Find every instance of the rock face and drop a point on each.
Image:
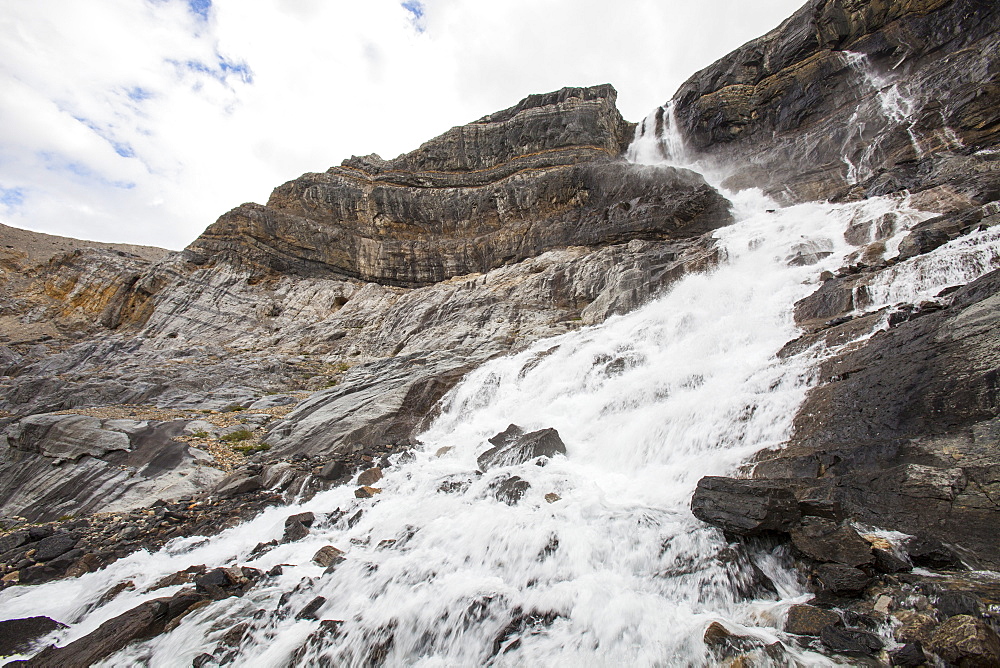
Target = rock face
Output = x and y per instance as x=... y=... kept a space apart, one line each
x=904 y=436
x=854 y=99
x=540 y=175
x=536 y=196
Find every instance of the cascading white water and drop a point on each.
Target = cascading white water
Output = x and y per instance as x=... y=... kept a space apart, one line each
x=601 y=559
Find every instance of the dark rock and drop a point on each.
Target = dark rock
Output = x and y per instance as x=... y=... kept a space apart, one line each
x=261 y=549
x=830 y=510
x=13 y=540
x=842 y=580
x=203 y=659
x=824 y=540
x=18 y=635
x=142 y=621
x=951 y=603
x=305 y=519
x=931 y=553
x=850 y=641
x=328 y=556
x=511 y=490
x=909 y=655
x=238 y=484
x=808 y=620
x=745 y=507
x=215 y=578
x=54 y=545
x=887 y=562
x=516 y=448
x=881 y=436
x=293 y=532
x=521 y=622
x=334 y=470
x=964 y=640
x=186 y=576
x=234 y=636
x=366 y=492
x=723 y=643
x=309 y=611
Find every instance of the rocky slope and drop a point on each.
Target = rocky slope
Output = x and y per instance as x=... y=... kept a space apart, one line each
x=299 y=342
x=524 y=224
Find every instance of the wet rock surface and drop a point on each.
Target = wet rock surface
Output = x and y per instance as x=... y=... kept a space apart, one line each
x=784 y=102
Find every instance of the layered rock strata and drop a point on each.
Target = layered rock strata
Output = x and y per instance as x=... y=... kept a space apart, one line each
x=541 y=175
x=849 y=99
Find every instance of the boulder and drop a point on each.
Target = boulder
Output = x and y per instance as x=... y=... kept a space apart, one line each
x=842 y=580
x=328 y=556
x=964 y=640
x=511 y=489
x=512 y=447
x=54 y=546
x=143 y=621
x=824 y=540
x=910 y=655
x=723 y=643
x=745 y=507
x=850 y=641
x=808 y=620
x=18 y=635
x=370 y=476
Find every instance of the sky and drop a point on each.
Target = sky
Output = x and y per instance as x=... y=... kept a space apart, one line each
x=142 y=121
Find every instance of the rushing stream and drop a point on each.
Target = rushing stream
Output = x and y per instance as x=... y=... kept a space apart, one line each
x=600 y=562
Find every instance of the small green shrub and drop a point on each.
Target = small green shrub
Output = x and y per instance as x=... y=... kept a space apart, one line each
x=251 y=449
x=233 y=408
x=200 y=434
x=237 y=436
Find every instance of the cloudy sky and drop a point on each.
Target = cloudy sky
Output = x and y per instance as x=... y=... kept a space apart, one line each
x=141 y=121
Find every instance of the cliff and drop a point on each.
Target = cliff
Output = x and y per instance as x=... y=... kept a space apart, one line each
x=854 y=99
x=296 y=343
x=543 y=174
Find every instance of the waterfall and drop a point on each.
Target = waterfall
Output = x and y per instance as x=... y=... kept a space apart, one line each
x=600 y=562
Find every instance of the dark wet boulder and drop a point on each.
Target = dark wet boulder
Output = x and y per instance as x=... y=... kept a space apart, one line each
x=808 y=620
x=842 y=580
x=512 y=447
x=18 y=635
x=932 y=553
x=910 y=655
x=952 y=603
x=745 y=507
x=966 y=641
x=887 y=562
x=850 y=641
x=54 y=545
x=826 y=541
x=723 y=643
x=311 y=608
x=511 y=490
x=328 y=556
x=143 y=621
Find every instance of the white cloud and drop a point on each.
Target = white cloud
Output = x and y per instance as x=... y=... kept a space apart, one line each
x=143 y=120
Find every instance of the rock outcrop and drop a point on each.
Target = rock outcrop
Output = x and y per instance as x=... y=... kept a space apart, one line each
x=849 y=99
x=543 y=174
